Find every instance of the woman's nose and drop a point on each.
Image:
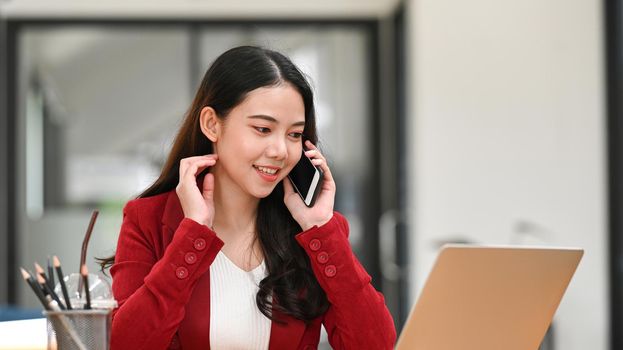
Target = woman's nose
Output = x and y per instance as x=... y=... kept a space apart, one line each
x=277 y=149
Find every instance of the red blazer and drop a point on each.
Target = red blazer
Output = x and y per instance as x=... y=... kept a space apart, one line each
x=161 y=280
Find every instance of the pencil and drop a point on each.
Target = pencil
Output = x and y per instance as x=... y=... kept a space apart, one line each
x=85 y=277
x=61 y=280
x=46 y=280
x=35 y=288
x=51 y=293
x=51 y=274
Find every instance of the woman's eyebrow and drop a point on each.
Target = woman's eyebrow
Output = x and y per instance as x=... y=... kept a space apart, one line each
x=273 y=120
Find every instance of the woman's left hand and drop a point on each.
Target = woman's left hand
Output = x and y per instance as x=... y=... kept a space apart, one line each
x=322 y=211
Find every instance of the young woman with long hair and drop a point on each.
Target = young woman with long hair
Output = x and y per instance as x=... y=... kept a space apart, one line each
x=220 y=252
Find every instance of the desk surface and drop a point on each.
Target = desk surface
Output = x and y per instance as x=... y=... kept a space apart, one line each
x=24 y=335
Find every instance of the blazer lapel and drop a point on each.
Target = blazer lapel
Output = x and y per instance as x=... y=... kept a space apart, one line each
x=173 y=213
x=194 y=330
x=285 y=336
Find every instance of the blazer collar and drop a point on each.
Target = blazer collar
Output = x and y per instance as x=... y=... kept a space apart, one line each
x=173 y=213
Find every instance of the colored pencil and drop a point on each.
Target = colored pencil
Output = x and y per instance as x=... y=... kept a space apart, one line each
x=35 y=288
x=85 y=277
x=50 y=292
x=51 y=274
x=61 y=280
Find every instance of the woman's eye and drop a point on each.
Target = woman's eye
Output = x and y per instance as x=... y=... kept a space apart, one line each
x=262 y=129
x=296 y=135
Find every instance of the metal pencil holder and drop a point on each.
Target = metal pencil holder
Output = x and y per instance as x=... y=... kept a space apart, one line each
x=79 y=329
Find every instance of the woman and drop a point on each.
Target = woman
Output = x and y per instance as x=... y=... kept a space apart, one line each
x=220 y=252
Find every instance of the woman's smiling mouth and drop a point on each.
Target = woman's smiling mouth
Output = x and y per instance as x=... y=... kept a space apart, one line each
x=267 y=173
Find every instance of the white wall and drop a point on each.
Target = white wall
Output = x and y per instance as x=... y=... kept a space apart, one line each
x=185 y=9
x=506 y=125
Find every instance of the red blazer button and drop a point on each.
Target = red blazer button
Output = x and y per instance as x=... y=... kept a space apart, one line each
x=315 y=244
x=190 y=258
x=330 y=270
x=181 y=272
x=322 y=257
x=200 y=244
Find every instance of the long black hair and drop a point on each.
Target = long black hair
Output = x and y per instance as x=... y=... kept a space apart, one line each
x=229 y=79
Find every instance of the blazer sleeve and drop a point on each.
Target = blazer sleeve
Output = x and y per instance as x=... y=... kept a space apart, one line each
x=357 y=317
x=152 y=293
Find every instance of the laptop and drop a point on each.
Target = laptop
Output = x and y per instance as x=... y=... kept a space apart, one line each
x=489 y=298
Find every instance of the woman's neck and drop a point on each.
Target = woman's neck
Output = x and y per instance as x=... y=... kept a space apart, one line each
x=234 y=222
x=235 y=210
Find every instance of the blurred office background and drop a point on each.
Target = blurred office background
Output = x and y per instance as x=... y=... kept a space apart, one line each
x=483 y=121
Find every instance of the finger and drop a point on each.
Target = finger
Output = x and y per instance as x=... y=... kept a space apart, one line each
x=314 y=154
x=186 y=162
x=199 y=166
x=322 y=164
x=311 y=152
x=196 y=163
x=318 y=160
x=310 y=145
x=196 y=166
x=208 y=188
x=192 y=159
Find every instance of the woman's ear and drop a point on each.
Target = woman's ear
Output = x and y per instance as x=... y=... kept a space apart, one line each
x=210 y=123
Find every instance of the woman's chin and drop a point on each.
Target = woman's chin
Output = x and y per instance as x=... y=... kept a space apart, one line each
x=263 y=193
x=263 y=190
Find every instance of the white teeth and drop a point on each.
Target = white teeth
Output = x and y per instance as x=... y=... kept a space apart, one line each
x=266 y=170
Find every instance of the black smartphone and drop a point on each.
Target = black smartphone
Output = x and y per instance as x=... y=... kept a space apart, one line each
x=306 y=179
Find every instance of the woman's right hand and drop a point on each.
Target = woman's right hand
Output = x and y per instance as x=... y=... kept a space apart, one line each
x=197 y=205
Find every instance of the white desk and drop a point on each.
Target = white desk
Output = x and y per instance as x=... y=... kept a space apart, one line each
x=24 y=335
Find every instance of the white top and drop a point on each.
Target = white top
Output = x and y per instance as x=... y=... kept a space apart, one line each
x=235 y=320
